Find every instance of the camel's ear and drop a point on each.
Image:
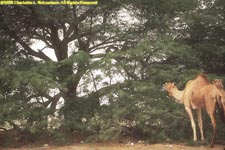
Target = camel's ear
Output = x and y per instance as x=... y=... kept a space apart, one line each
x=173 y=84
x=164 y=85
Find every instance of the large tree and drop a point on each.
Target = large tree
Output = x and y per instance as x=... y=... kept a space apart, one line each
x=78 y=36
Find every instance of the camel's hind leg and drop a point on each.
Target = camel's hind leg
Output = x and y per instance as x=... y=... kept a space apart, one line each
x=188 y=109
x=213 y=120
x=211 y=109
x=200 y=124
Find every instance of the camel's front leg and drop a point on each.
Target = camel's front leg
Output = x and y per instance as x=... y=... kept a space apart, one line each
x=188 y=109
x=200 y=124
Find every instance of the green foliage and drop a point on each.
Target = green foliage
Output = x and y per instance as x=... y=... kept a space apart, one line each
x=23 y=83
x=60 y=138
x=135 y=111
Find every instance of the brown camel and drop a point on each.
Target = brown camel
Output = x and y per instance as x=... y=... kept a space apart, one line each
x=221 y=104
x=218 y=83
x=198 y=93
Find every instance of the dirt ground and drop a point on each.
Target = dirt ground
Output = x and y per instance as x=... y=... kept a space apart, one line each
x=122 y=147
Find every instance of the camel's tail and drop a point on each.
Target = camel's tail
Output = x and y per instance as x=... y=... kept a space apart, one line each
x=221 y=108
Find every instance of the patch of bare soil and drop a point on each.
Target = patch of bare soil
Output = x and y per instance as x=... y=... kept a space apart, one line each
x=108 y=146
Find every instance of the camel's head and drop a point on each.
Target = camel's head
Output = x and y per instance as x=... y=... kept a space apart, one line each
x=168 y=86
x=218 y=83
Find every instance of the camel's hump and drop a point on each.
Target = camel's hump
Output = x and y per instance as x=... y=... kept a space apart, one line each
x=203 y=77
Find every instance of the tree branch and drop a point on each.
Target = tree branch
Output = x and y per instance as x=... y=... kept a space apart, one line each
x=31 y=52
x=105 y=90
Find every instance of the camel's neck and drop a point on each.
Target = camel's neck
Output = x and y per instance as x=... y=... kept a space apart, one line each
x=177 y=94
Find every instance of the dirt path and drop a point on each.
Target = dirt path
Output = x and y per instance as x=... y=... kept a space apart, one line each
x=122 y=147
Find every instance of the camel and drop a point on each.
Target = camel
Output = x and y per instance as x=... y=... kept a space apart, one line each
x=218 y=83
x=197 y=94
x=221 y=104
